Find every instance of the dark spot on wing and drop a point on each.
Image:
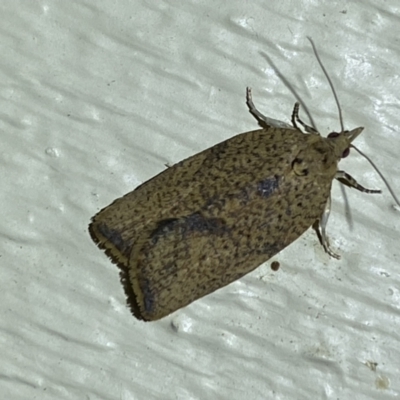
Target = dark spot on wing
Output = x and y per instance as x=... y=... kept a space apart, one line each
x=148 y=297
x=266 y=187
x=113 y=236
x=195 y=222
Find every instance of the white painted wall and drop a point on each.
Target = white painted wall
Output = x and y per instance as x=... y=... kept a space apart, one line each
x=95 y=98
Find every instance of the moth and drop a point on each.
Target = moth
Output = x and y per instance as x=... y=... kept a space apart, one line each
x=217 y=215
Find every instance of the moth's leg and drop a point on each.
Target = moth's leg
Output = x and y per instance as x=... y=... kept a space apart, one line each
x=295 y=119
x=295 y=116
x=320 y=227
x=348 y=180
x=261 y=117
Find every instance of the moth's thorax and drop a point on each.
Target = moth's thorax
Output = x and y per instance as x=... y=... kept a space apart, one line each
x=318 y=159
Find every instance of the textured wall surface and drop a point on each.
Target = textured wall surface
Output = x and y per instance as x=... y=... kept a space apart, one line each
x=96 y=97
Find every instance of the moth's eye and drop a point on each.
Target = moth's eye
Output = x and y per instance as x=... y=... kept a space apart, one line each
x=346 y=153
x=333 y=135
x=299 y=168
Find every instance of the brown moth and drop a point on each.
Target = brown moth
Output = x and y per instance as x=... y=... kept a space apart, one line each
x=214 y=217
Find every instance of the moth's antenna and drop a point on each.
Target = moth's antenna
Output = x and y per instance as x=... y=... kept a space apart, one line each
x=380 y=174
x=342 y=127
x=329 y=81
x=291 y=88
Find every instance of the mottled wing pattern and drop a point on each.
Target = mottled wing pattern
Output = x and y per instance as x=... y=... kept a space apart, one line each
x=242 y=205
x=118 y=226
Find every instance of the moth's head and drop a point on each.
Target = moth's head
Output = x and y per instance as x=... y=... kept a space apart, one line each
x=342 y=141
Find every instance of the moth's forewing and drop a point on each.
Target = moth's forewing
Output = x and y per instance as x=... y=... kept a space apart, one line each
x=242 y=206
x=204 y=175
x=119 y=225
